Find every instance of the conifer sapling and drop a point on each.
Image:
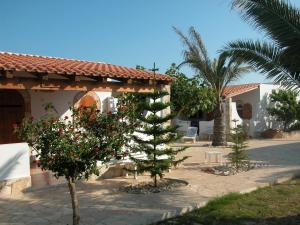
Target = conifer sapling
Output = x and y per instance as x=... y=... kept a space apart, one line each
x=153 y=135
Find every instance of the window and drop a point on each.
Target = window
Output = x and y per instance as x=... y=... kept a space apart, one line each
x=244 y=110
x=247 y=111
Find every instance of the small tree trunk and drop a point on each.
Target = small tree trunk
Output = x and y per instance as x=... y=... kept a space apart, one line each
x=155 y=180
x=285 y=125
x=74 y=199
x=219 y=136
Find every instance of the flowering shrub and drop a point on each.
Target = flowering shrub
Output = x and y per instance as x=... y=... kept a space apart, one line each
x=71 y=147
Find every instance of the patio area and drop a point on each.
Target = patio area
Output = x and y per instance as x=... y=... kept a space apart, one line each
x=101 y=203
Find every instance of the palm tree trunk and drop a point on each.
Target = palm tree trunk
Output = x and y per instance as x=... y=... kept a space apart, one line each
x=219 y=134
x=74 y=198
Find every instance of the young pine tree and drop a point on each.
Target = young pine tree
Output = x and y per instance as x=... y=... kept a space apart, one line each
x=152 y=136
x=238 y=156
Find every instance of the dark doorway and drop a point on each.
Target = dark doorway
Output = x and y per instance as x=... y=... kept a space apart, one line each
x=12 y=111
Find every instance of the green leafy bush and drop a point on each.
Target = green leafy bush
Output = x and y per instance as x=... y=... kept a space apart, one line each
x=286 y=107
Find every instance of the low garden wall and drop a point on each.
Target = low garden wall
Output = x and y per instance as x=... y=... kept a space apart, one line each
x=14 y=168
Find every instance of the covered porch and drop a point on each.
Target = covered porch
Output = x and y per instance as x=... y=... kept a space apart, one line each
x=28 y=83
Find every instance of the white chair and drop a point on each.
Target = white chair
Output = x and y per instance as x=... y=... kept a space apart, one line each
x=213 y=157
x=191 y=134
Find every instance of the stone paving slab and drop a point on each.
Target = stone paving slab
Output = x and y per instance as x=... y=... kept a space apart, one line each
x=101 y=203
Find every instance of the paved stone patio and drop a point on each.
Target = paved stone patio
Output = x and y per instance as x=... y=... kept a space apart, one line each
x=102 y=204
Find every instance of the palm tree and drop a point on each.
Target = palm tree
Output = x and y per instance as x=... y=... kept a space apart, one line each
x=216 y=73
x=278 y=58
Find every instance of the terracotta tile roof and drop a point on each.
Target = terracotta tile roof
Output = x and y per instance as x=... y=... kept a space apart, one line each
x=43 y=64
x=233 y=90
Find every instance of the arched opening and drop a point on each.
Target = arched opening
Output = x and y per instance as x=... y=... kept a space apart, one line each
x=87 y=100
x=12 y=112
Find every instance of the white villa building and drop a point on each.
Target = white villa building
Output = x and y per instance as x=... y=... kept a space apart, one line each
x=28 y=82
x=247 y=104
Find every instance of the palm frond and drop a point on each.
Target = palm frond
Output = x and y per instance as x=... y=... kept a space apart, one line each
x=277 y=18
x=218 y=72
x=198 y=41
x=263 y=57
x=195 y=53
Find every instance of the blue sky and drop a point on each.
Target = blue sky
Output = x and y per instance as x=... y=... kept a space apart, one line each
x=122 y=32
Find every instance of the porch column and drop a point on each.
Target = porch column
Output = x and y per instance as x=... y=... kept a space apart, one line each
x=228 y=116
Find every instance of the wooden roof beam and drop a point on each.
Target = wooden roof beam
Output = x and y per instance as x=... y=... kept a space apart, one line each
x=67 y=85
x=42 y=76
x=9 y=74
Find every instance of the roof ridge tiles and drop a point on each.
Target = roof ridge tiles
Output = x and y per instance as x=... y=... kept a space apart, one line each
x=50 y=57
x=29 y=62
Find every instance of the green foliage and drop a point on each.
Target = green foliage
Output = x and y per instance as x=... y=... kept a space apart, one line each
x=139 y=67
x=131 y=106
x=270 y=206
x=278 y=58
x=112 y=130
x=286 y=107
x=215 y=73
x=188 y=95
x=151 y=136
x=71 y=147
x=238 y=156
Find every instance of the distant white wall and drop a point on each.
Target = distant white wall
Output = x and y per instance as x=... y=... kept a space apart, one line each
x=259 y=99
x=252 y=97
x=14 y=161
x=183 y=125
x=103 y=96
x=264 y=121
x=206 y=127
x=266 y=89
x=235 y=116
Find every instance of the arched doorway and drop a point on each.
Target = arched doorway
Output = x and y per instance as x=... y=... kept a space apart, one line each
x=12 y=111
x=87 y=100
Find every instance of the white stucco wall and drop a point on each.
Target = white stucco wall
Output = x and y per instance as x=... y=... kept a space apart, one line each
x=103 y=96
x=206 y=127
x=235 y=116
x=252 y=97
x=259 y=99
x=14 y=161
x=183 y=125
x=264 y=120
x=61 y=100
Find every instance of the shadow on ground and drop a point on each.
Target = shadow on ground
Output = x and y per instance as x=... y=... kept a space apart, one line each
x=288 y=220
x=100 y=203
